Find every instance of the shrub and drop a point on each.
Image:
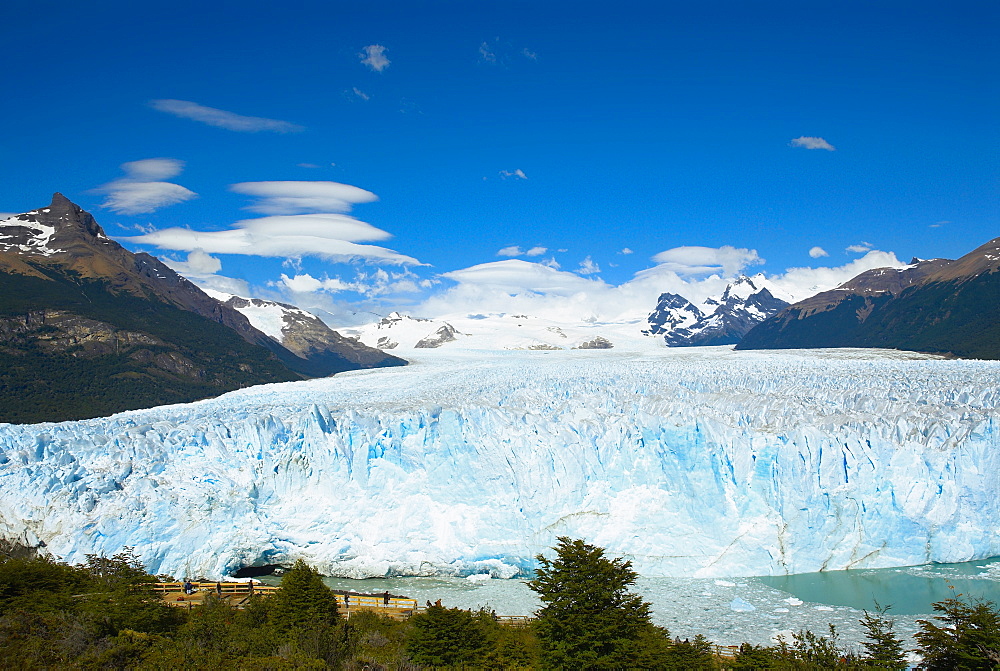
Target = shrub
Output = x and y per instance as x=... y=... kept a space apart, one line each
x=969 y=638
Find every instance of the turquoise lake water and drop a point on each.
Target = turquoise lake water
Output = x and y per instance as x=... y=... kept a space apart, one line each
x=732 y=610
x=909 y=590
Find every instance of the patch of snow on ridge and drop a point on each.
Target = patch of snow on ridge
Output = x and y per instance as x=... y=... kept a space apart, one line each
x=23 y=233
x=690 y=462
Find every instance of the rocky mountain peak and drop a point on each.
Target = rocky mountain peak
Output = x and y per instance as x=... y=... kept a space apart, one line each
x=721 y=320
x=62 y=227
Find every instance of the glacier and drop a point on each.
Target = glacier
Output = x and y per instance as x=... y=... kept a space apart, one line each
x=699 y=462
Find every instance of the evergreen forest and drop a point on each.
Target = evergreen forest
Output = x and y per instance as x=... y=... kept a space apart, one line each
x=104 y=614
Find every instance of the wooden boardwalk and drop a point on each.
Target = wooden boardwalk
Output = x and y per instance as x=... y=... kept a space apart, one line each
x=236 y=593
x=396 y=607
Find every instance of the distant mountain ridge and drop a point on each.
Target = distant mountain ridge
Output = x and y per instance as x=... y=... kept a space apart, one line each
x=719 y=321
x=88 y=328
x=306 y=335
x=938 y=305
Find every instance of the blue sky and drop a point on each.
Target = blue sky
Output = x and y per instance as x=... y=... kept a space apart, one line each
x=676 y=141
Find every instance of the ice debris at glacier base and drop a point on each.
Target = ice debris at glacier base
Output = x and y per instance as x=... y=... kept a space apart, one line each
x=703 y=462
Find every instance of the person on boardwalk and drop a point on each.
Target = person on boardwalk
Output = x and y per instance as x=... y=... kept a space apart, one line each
x=250 y=586
x=188 y=587
x=385 y=598
x=218 y=589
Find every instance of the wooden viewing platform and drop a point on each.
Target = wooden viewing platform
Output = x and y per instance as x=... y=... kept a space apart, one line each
x=236 y=593
x=396 y=607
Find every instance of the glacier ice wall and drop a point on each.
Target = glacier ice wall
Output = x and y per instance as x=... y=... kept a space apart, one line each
x=705 y=462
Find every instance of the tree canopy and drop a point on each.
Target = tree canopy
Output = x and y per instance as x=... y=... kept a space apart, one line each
x=590 y=619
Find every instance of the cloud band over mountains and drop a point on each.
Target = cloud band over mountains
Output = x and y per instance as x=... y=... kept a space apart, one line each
x=288 y=232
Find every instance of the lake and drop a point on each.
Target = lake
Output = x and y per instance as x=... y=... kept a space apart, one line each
x=730 y=611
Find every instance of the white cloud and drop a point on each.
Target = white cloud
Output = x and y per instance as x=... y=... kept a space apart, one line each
x=588 y=267
x=153 y=169
x=136 y=193
x=515 y=250
x=333 y=237
x=304 y=284
x=812 y=143
x=518 y=286
x=369 y=284
x=625 y=250
x=201 y=268
x=198 y=264
x=361 y=94
x=223 y=119
x=125 y=197
x=328 y=235
x=529 y=54
x=486 y=53
x=374 y=57
x=695 y=261
x=516 y=174
x=939 y=224
x=290 y=197
x=817 y=252
x=859 y=249
x=519 y=276
x=804 y=282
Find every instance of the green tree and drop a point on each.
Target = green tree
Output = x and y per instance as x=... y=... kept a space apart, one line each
x=304 y=613
x=302 y=600
x=883 y=648
x=969 y=639
x=508 y=646
x=751 y=657
x=690 y=654
x=40 y=584
x=445 y=637
x=590 y=620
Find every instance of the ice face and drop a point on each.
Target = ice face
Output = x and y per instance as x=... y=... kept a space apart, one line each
x=701 y=462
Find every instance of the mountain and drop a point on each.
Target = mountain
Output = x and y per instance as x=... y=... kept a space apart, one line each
x=930 y=306
x=496 y=331
x=88 y=328
x=306 y=335
x=719 y=321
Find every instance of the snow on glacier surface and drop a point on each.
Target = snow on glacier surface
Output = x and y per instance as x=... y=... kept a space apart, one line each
x=699 y=462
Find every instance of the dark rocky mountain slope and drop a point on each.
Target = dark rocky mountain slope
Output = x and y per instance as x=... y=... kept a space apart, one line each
x=940 y=306
x=307 y=336
x=88 y=328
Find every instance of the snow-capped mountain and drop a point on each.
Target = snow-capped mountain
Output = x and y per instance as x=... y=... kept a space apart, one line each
x=687 y=461
x=745 y=303
x=89 y=328
x=305 y=334
x=494 y=331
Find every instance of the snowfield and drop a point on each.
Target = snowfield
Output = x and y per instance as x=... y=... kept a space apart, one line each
x=694 y=462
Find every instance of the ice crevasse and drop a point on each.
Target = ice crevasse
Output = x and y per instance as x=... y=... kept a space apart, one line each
x=703 y=462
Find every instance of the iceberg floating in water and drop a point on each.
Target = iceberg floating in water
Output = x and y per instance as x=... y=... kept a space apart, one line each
x=703 y=462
